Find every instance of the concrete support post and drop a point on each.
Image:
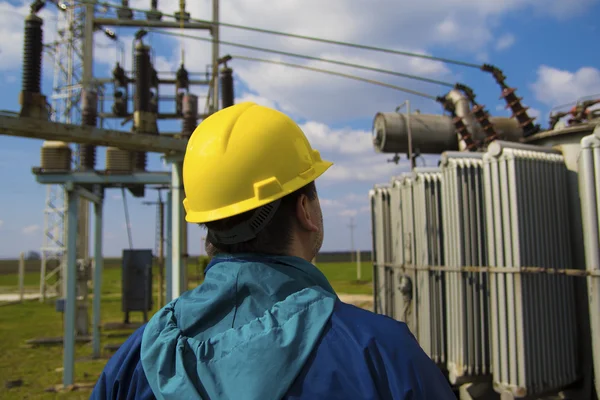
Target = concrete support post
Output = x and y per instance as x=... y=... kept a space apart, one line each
x=71 y=286
x=215 y=54
x=98 y=269
x=178 y=268
x=169 y=248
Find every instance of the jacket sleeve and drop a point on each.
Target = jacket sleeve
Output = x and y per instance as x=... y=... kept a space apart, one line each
x=123 y=376
x=403 y=371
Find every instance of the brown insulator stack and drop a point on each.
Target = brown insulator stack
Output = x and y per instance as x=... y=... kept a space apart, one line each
x=461 y=128
x=121 y=97
x=182 y=86
x=33 y=103
x=89 y=117
x=483 y=117
x=190 y=114
x=480 y=113
x=519 y=112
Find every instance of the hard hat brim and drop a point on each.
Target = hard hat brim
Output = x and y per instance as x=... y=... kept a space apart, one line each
x=200 y=217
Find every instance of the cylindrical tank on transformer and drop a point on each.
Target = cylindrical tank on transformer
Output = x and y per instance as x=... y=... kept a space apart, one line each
x=431 y=134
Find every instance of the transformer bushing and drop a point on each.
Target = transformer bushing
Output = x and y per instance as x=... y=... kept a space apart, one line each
x=519 y=112
x=55 y=157
x=153 y=14
x=144 y=121
x=89 y=117
x=182 y=86
x=190 y=114
x=153 y=90
x=227 y=93
x=461 y=129
x=143 y=73
x=182 y=15
x=124 y=12
x=482 y=116
x=118 y=161
x=33 y=103
x=120 y=82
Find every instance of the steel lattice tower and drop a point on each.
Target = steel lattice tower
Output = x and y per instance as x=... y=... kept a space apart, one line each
x=67 y=53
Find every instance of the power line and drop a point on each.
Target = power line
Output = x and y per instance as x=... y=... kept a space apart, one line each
x=348 y=76
x=310 y=38
x=320 y=59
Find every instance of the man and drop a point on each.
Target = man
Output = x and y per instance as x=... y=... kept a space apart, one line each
x=265 y=324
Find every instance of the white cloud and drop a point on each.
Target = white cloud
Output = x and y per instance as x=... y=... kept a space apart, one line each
x=554 y=86
x=348 y=213
x=505 y=41
x=12 y=23
x=330 y=203
x=467 y=26
x=256 y=99
x=349 y=205
x=344 y=141
x=30 y=229
x=1 y=223
x=534 y=112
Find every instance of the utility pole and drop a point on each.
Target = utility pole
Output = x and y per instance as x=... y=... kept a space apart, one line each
x=353 y=251
x=352 y=226
x=160 y=245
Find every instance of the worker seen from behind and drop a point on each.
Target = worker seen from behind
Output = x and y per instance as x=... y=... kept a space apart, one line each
x=265 y=323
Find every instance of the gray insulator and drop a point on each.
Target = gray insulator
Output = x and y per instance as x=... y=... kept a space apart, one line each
x=32 y=54
x=227 y=93
x=55 y=156
x=118 y=160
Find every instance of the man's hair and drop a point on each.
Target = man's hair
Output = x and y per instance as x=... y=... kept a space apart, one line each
x=275 y=238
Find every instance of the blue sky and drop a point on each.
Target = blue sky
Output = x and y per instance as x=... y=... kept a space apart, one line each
x=545 y=47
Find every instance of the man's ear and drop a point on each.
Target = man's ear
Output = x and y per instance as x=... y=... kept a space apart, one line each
x=304 y=215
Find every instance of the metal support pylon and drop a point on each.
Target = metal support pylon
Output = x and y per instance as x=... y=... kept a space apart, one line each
x=65 y=108
x=53 y=247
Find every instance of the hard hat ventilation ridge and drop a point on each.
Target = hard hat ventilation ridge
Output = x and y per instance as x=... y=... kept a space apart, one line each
x=246 y=230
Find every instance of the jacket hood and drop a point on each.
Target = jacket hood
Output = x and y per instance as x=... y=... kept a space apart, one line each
x=245 y=333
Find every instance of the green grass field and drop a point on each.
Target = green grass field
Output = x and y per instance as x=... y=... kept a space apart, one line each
x=40 y=367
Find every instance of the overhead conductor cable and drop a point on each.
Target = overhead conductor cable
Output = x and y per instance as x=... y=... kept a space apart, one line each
x=340 y=74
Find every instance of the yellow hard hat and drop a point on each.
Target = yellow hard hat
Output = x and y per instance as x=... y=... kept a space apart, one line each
x=243 y=157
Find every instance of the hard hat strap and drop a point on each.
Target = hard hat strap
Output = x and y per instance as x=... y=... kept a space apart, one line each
x=246 y=230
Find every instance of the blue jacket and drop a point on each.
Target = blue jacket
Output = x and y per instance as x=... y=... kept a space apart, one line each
x=266 y=327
